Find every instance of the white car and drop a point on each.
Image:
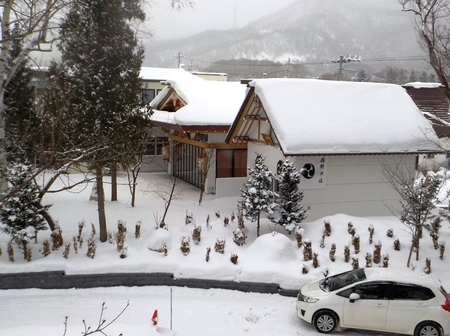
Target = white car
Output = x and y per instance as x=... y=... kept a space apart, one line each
x=378 y=299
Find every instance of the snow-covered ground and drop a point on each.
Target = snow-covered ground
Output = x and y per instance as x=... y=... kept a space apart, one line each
x=272 y=257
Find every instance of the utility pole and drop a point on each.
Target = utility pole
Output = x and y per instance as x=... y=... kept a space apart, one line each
x=346 y=59
x=179 y=58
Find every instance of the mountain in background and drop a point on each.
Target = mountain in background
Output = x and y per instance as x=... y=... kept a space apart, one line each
x=310 y=32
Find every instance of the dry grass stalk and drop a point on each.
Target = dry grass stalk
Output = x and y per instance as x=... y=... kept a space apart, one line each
x=67 y=250
x=10 y=251
x=45 y=247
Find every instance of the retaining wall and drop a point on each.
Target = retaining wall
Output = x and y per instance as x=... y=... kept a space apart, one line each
x=60 y=280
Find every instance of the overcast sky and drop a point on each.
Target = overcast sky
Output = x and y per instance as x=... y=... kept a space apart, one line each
x=207 y=14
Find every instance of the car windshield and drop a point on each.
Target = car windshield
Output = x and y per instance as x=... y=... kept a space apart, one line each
x=341 y=280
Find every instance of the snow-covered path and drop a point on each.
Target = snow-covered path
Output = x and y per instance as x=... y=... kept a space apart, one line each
x=195 y=312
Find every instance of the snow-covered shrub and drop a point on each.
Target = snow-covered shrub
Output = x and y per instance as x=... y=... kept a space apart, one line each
x=397 y=245
x=197 y=234
x=226 y=221
x=185 y=245
x=386 y=260
x=332 y=253
x=307 y=250
x=75 y=244
x=355 y=262
x=377 y=253
x=46 y=247
x=234 y=258
x=92 y=247
x=368 y=259
x=346 y=253
x=120 y=234
x=356 y=243
x=239 y=237
x=299 y=236
x=67 y=250
x=137 y=229
x=390 y=233
x=57 y=239
x=220 y=245
x=189 y=217
x=315 y=260
x=327 y=228
x=427 y=268
x=371 y=232
x=441 y=249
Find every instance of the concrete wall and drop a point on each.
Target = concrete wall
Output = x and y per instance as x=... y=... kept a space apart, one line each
x=354 y=185
x=59 y=280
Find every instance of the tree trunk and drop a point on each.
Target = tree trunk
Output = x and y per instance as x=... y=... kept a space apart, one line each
x=174 y=183
x=101 y=204
x=257 y=224
x=47 y=217
x=113 y=182
x=135 y=173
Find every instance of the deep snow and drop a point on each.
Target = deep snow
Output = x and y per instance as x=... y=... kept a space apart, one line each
x=272 y=257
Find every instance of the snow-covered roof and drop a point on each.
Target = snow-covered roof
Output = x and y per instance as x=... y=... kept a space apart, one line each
x=312 y=116
x=420 y=85
x=208 y=103
x=162 y=74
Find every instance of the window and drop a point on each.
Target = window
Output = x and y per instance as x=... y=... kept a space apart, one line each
x=231 y=163
x=155 y=146
x=373 y=291
x=411 y=292
x=147 y=96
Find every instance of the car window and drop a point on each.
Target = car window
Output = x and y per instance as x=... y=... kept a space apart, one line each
x=411 y=292
x=341 y=280
x=373 y=290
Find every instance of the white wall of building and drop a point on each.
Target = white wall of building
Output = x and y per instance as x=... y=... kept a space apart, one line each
x=354 y=185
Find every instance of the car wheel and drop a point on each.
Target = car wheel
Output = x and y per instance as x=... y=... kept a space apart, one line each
x=428 y=329
x=325 y=321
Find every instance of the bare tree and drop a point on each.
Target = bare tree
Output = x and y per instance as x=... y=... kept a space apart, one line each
x=34 y=25
x=204 y=163
x=432 y=26
x=419 y=194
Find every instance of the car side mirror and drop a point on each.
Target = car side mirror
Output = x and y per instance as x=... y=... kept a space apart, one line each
x=354 y=296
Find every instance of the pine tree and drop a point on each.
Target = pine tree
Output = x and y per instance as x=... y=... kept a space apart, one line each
x=412 y=76
x=256 y=194
x=21 y=215
x=423 y=77
x=100 y=75
x=289 y=212
x=21 y=121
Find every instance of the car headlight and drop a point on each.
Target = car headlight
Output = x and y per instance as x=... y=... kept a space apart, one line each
x=301 y=297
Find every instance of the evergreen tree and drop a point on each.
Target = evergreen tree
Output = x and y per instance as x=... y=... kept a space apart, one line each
x=20 y=121
x=101 y=65
x=423 y=77
x=21 y=215
x=256 y=194
x=412 y=76
x=289 y=212
x=362 y=76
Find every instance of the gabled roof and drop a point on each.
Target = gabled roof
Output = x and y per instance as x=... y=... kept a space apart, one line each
x=207 y=103
x=310 y=117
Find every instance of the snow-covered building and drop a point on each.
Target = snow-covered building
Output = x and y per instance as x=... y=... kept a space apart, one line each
x=153 y=82
x=195 y=115
x=341 y=133
x=432 y=100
